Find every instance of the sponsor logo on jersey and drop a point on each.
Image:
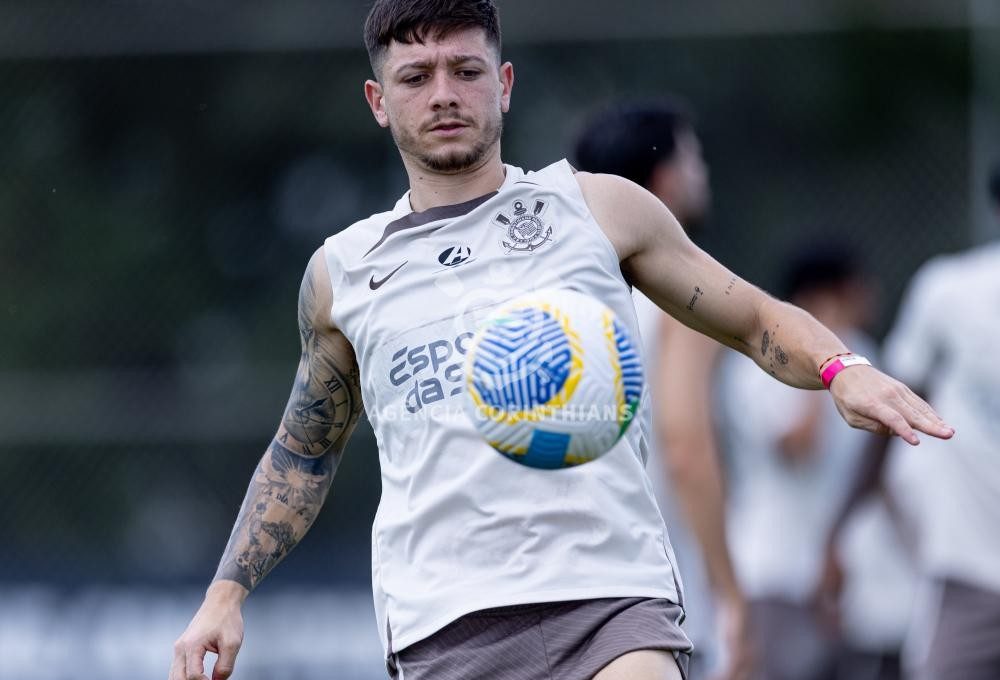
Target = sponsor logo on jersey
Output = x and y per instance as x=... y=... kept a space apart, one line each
x=429 y=372
x=526 y=232
x=455 y=255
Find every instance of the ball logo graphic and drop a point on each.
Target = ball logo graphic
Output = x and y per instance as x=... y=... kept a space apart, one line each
x=553 y=379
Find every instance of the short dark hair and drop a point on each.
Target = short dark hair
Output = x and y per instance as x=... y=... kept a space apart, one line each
x=995 y=184
x=408 y=21
x=631 y=139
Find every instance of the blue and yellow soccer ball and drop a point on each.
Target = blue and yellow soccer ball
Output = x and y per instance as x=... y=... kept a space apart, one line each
x=553 y=379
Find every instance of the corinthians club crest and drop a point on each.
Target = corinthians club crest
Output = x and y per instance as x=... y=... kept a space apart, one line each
x=526 y=231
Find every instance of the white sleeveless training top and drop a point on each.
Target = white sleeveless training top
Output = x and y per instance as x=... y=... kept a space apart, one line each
x=459 y=527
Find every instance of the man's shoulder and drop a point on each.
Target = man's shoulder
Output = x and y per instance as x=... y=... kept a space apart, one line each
x=613 y=193
x=363 y=231
x=558 y=174
x=364 y=226
x=599 y=181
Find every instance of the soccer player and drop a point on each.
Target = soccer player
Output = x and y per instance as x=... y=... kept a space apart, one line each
x=654 y=144
x=792 y=462
x=943 y=341
x=481 y=568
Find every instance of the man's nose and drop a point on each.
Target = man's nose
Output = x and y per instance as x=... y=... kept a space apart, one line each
x=443 y=94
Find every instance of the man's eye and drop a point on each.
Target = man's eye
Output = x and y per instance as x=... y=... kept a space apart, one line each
x=469 y=73
x=415 y=80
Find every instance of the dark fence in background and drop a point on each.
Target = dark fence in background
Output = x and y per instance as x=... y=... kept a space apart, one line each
x=157 y=212
x=158 y=206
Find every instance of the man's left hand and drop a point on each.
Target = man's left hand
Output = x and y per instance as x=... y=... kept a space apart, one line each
x=871 y=400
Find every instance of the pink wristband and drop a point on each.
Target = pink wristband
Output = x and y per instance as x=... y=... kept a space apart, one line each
x=831 y=371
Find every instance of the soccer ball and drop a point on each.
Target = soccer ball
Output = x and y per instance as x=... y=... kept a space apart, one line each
x=552 y=379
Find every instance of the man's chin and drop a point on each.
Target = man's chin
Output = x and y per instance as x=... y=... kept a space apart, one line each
x=453 y=162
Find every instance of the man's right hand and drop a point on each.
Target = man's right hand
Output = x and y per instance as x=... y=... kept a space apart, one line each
x=217 y=628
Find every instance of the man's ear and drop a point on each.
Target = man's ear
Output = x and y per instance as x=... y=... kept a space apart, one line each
x=376 y=102
x=506 y=84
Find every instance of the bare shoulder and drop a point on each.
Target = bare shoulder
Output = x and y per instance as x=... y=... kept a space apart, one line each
x=316 y=294
x=601 y=188
x=321 y=339
x=629 y=214
x=609 y=197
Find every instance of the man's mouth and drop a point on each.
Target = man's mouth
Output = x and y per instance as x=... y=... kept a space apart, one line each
x=449 y=126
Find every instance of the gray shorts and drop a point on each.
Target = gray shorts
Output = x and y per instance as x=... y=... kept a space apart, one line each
x=966 y=639
x=790 y=641
x=552 y=641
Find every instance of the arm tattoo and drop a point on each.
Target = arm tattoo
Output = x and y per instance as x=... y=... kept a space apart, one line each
x=698 y=292
x=293 y=477
x=770 y=349
x=325 y=398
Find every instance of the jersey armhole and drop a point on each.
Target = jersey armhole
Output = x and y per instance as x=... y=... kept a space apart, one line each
x=568 y=182
x=336 y=273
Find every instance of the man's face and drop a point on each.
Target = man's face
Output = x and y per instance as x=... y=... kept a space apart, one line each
x=444 y=100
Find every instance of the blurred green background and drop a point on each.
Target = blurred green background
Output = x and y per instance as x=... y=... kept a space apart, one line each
x=168 y=168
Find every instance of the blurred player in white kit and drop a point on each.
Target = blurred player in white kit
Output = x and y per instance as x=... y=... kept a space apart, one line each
x=792 y=463
x=944 y=342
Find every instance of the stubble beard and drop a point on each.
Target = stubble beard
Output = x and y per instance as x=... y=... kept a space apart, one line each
x=453 y=162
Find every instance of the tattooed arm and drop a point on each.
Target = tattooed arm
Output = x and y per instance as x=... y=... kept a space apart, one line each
x=292 y=480
x=784 y=340
x=290 y=483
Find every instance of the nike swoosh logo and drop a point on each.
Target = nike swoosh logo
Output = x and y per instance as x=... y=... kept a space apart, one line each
x=375 y=285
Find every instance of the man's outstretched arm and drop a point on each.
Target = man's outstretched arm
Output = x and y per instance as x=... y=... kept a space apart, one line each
x=289 y=485
x=784 y=340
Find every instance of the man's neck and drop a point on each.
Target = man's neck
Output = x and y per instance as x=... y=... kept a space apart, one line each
x=430 y=190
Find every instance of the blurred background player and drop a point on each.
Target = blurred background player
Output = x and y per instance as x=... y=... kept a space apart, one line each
x=654 y=144
x=793 y=463
x=944 y=340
